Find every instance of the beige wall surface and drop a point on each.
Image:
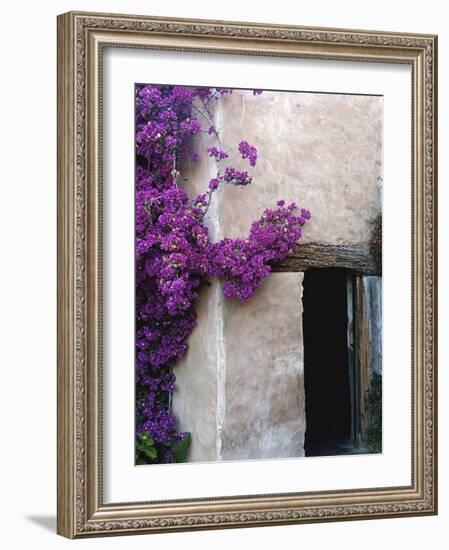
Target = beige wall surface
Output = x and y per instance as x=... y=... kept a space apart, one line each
x=322 y=151
x=240 y=388
x=263 y=393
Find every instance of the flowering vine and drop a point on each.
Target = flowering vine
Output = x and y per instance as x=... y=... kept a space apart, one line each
x=174 y=253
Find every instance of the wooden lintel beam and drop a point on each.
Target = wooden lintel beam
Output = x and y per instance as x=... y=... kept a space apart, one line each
x=359 y=258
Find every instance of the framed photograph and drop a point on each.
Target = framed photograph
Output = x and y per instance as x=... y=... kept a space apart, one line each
x=246 y=274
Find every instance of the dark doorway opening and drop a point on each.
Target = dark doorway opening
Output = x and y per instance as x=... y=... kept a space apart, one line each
x=328 y=363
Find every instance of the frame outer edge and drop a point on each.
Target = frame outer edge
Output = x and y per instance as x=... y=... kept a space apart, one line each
x=75 y=483
x=435 y=268
x=66 y=287
x=233 y=23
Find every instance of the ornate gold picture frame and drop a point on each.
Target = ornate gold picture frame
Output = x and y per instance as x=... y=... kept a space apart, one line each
x=82 y=39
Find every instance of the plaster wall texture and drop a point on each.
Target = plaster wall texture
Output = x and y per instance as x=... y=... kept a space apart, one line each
x=264 y=414
x=198 y=379
x=322 y=151
x=240 y=388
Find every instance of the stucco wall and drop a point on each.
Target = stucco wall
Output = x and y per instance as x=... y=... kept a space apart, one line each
x=322 y=151
x=240 y=388
x=263 y=394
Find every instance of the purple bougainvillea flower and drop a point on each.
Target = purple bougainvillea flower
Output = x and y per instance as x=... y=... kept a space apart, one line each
x=248 y=152
x=214 y=183
x=217 y=153
x=174 y=253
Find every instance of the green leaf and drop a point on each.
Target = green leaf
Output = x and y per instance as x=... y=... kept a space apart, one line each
x=151 y=452
x=180 y=448
x=146 y=439
x=140 y=461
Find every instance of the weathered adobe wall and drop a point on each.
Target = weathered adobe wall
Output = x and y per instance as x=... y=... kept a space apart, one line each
x=322 y=151
x=240 y=388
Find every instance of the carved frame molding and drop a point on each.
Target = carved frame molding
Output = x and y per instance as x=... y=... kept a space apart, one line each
x=81 y=37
